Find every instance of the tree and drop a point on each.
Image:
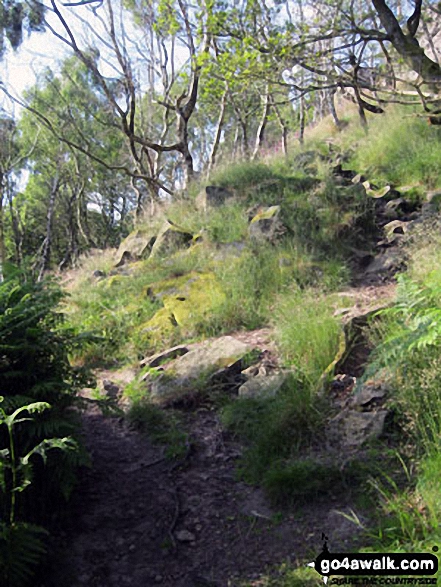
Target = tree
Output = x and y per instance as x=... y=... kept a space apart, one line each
x=17 y=17
x=65 y=185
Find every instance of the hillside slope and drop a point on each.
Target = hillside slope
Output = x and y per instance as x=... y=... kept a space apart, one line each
x=240 y=331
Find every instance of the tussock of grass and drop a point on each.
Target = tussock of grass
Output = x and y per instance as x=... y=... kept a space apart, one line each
x=275 y=431
x=161 y=427
x=307 y=333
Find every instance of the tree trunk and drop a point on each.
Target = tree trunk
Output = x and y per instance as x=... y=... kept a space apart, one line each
x=217 y=136
x=17 y=233
x=408 y=47
x=2 y=231
x=46 y=253
x=283 y=127
x=260 y=135
x=332 y=109
x=302 y=120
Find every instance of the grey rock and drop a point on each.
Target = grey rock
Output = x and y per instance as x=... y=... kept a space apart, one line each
x=136 y=246
x=388 y=262
x=170 y=238
x=185 y=536
x=112 y=390
x=164 y=356
x=265 y=225
x=353 y=428
x=262 y=385
x=191 y=372
x=371 y=393
x=213 y=197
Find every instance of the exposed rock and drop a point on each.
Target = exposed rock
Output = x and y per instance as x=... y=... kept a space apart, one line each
x=185 y=536
x=134 y=247
x=213 y=197
x=387 y=263
x=164 y=356
x=186 y=299
x=170 y=237
x=262 y=386
x=396 y=227
x=352 y=429
x=266 y=225
x=112 y=390
x=371 y=394
x=97 y=274
x=375 y=192
x=189 y=374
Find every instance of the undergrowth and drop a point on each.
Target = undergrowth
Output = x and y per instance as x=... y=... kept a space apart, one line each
x=408 y=339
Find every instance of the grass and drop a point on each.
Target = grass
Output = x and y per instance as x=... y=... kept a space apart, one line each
x=162 y=427
x=407 y=154
x=276 y=431
x=307 y=333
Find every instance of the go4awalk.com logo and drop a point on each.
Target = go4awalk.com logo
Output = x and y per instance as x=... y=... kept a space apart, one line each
x=424 y=565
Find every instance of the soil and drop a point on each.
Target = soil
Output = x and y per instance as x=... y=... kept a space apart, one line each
x=142 y=520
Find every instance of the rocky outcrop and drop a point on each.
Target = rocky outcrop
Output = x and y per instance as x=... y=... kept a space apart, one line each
x=136 y=246
x=262 y=386
x=170 y=238
x=361 y=418
x=213 y=197
x=266 y=224
x=205 y=365
x=186 y=300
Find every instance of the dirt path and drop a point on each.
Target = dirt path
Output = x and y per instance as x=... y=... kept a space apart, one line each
x=181 y=525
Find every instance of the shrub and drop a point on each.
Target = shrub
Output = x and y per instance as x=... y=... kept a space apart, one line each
x=34 y=372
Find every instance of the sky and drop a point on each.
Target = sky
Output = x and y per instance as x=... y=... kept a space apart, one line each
x=39 y=51
x=19 y=69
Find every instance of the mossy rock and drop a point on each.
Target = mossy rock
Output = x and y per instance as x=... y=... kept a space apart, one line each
x=170 y=238
x=265 y=225
x=187 y=300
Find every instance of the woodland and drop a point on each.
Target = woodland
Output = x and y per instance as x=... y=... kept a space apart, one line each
x=219 y=239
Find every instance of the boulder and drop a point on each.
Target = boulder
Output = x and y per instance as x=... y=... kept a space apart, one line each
x=262 y=386
x=265 y=225
x=186 y=300
x=387 y=263
x=372 y=393
x=375 y=192
x=213 y=197
x=136 y=246
x=111 y=389
x=190 y=374
x=170 y=238
x=352 y=428
x=164 y=356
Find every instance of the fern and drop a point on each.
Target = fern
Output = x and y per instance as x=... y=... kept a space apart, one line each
x=39 y=455
x=22 y=549
x=412 y=325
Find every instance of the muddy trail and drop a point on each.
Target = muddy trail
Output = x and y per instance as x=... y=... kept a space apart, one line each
x=140 y=519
